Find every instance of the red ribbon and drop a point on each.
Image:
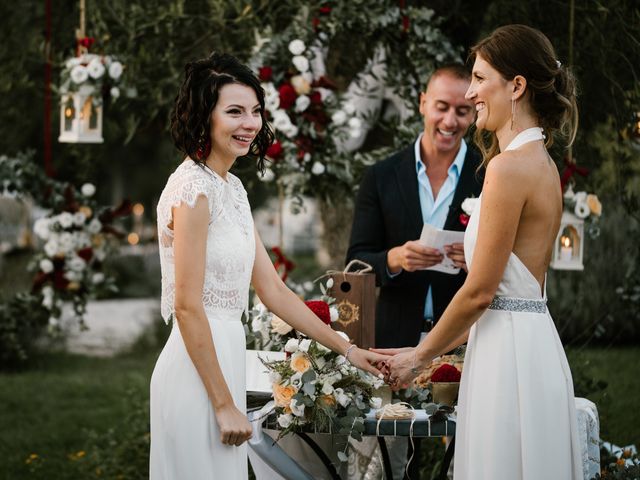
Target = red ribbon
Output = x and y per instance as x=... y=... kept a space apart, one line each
x=569 y=169
x=282 y=261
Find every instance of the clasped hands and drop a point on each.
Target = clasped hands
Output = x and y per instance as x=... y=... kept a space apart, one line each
x=400 y=367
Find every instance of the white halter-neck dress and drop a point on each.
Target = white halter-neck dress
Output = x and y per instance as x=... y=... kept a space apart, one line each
x=516 y=413
x=185 y=438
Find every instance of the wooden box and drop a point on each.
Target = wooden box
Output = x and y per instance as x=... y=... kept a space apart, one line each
x=355 y=295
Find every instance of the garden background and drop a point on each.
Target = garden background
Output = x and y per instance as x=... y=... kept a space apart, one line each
x=65 y=415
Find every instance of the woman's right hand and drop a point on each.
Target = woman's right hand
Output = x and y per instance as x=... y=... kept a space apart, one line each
x=234 y=426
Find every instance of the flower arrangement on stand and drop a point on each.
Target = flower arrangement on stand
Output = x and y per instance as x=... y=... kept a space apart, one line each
x=92 y=75
x=585 y=206
x=318 y=388
x=75 y=243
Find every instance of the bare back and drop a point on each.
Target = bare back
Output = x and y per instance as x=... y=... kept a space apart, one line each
x=542 y=211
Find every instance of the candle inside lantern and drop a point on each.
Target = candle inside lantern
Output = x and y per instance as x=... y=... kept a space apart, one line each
x=566 y=250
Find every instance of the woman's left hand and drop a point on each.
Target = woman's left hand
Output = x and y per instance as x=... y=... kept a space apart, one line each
x=400 y=374
x=367 y=360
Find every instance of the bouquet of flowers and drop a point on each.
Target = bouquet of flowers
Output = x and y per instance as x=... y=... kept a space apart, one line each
x=585 y=206
x=267 y=331
x=92 y=74
x=317 y=387
x=75 y=245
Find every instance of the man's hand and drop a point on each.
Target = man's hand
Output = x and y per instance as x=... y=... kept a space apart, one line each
x=455 y=252
x=412 y=256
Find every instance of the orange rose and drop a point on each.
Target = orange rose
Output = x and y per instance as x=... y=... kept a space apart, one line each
x=328 y=400
x=283 y=395
x=280 y=326
x=594 y=205
x=300 y=363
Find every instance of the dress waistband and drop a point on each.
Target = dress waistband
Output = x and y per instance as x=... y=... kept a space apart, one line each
x=512 y=304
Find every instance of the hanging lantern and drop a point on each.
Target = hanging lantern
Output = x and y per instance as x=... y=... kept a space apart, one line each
x=80 y=118
x=569 y=245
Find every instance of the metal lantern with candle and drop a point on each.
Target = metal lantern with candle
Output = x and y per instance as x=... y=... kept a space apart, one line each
x=85 y=80
x=569 y=246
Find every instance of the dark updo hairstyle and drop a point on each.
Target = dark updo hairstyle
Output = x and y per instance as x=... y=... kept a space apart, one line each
x=198 y=95
x=521 y=50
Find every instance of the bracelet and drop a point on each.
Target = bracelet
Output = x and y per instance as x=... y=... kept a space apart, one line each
x=346 y=354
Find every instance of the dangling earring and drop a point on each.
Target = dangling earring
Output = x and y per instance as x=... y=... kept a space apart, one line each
x=513 y=112
x=204 y=148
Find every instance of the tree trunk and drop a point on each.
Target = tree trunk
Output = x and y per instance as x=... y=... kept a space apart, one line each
x=336 y=231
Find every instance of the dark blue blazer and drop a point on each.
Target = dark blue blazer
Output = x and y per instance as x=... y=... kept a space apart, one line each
x=388 y=214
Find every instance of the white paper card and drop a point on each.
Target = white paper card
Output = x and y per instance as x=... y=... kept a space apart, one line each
x=433 y=237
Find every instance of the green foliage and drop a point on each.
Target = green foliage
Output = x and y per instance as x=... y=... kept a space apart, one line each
x=23 y=319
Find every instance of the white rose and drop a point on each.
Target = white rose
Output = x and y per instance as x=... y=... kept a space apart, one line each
x=94 y=226
x=333 y=312
x=301 y=63
x=290 y=131
x=100 y=254
x=46 y=265
x=285 y=420
x=41 y=227
x=115 y=70
x=79 y=74
x=302 y=103
x=76 y=264
x=580 y=197
x=308 y=286
x=97 y=278
x=88 y=189
x=72 y=62
x=355 y=133
x=47 y=302
x=51 y=248
x=53 y=322
x=341 y=397
x=582 y=209
x=339 y=117
x=297 y=410
x=349 y=108
x=65 y=219
x=114 y=92
x=304 y=345
x=306 y=157
x=66 y=242
x=327 y=388
x=274 y=377
x=317 y=168
x=291 y=345
x=73 y=276
x=375 y=402
x=296 y=47
x=267 y=176
x=469 y=205
x=355 y=123
x=281 y=120
x=95 y=68
x=79 y=218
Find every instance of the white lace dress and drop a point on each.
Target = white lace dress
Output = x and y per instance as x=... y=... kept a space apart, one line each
x=185 y=440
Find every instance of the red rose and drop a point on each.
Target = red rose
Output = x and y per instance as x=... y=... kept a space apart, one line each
x=315 y=23
x=321 y=309
x=446 y=373
x=326 y=10
x=86 y=254
x=316 y=98
x=287 y=96
x=464 y=219
x=275 y=150
x=265 y=74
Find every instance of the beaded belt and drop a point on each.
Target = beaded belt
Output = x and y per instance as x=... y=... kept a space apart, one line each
x=519 y=304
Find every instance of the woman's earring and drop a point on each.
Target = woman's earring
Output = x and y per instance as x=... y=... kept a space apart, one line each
x=513 y=112
x=204 y=148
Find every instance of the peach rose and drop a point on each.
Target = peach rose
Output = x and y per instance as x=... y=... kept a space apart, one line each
x=328 y=400
x=300 y=85
x=594 y=204
x=283 y=395
x=300 y=363
x=280 y=326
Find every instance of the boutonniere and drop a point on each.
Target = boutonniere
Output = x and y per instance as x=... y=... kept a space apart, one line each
x=468 y=206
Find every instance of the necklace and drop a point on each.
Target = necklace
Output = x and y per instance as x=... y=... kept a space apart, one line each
x=526 y=136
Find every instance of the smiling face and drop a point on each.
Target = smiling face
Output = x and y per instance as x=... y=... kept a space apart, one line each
x=235 y=122
x=491 y=95
x=447 y=114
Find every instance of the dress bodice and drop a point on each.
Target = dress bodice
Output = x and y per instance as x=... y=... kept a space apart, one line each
x=517 y=281
x=230 y=240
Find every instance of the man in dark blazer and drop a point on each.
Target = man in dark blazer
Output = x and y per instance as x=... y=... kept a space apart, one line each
x=424 y=183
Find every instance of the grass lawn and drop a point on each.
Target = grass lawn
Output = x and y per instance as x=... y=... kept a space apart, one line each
x=67 y=404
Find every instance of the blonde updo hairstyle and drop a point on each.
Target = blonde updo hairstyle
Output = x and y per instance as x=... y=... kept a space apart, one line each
x=551 y=89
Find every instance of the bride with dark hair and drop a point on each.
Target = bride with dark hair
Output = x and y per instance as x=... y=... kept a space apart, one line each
x=209 y=253
x=516 y=412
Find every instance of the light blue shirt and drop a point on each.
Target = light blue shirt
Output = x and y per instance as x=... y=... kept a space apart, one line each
x=435 y=210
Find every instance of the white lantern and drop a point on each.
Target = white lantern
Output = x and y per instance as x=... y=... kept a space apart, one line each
x=569 y=246
x=80 y=118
